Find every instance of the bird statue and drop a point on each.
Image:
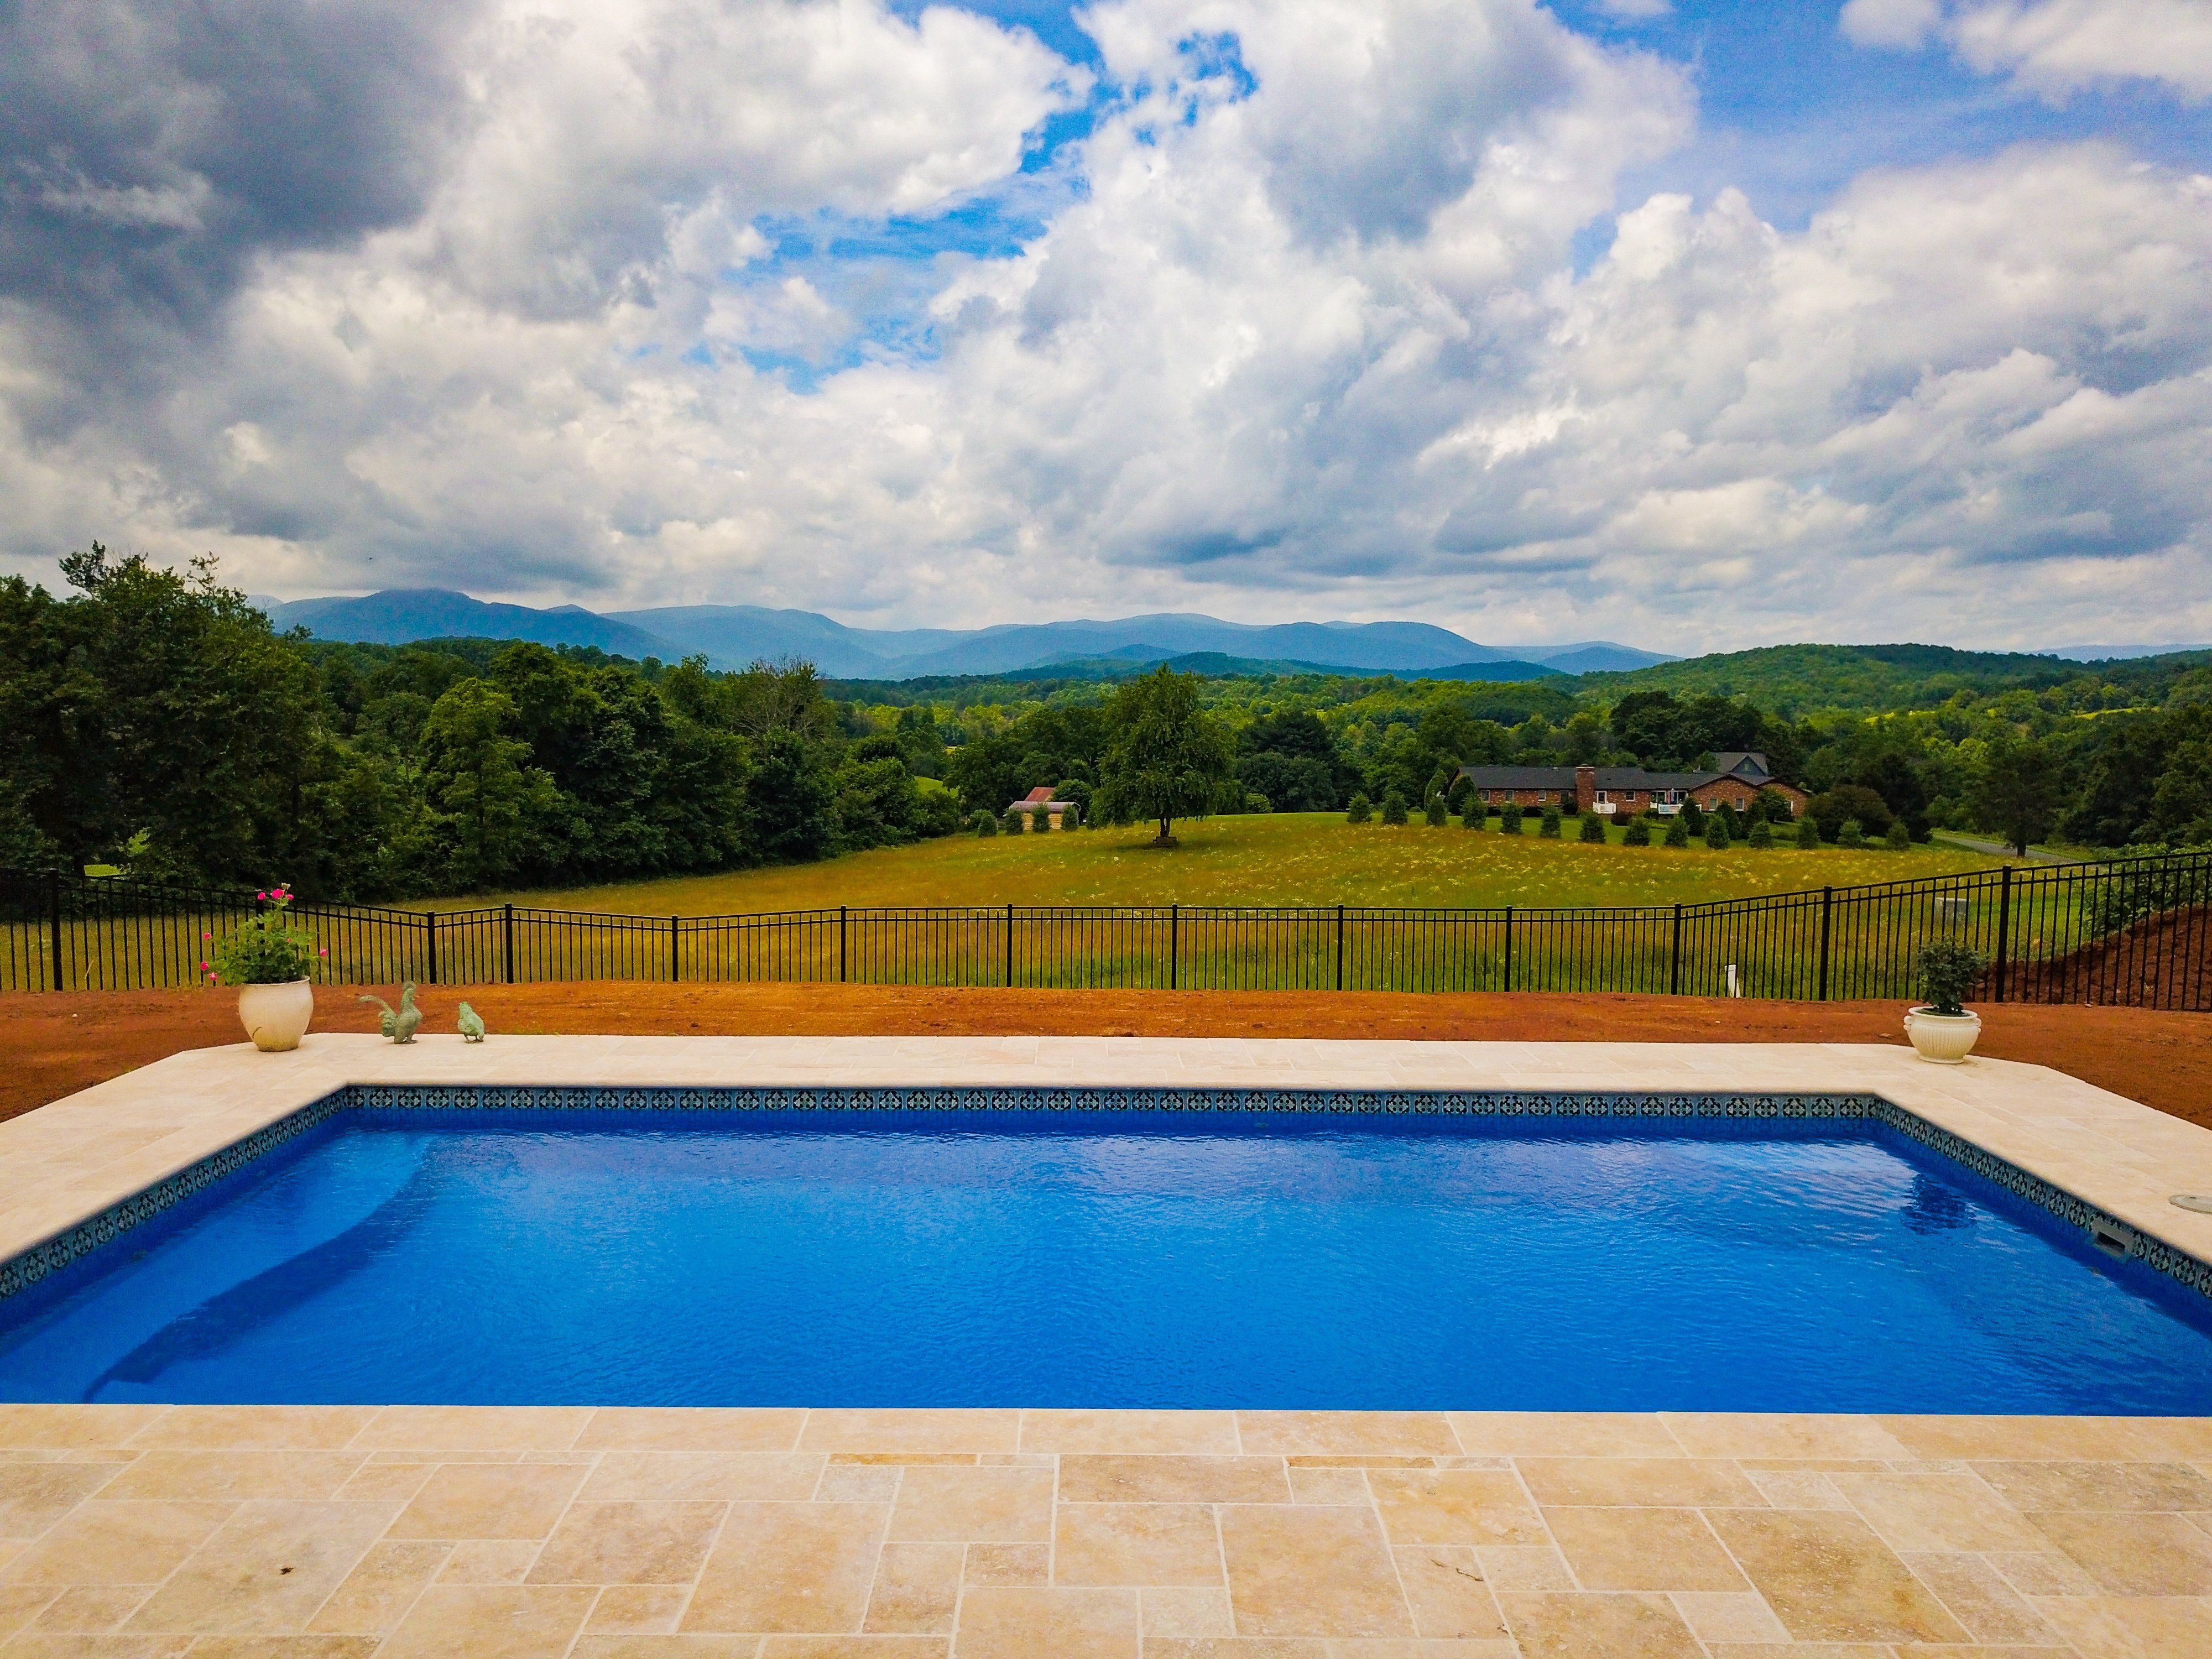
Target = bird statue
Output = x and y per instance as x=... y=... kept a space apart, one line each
x=399 y=1025
x=472 y=1025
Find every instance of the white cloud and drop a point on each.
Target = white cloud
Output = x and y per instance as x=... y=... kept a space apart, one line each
x=2053 y=47
x=1305 y=339
x=1904 y=24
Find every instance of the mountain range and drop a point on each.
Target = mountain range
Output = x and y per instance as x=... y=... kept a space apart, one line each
x=732 y=635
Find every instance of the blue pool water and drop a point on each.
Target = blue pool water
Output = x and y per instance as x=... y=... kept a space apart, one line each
x=1129 y=1260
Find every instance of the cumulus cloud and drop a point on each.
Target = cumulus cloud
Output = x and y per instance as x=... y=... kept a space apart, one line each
x=2053 y=47
x=1300 y=327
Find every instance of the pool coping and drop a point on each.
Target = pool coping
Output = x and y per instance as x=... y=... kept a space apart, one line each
x=82 y=1169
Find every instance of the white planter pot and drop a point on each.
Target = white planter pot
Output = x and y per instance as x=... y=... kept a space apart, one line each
x=1945 y=1039
x=275 y=1015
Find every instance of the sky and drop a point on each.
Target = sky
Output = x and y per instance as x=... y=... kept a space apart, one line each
x=1692 y=324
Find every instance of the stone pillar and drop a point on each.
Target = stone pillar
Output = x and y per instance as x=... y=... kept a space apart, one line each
x=1585 y=787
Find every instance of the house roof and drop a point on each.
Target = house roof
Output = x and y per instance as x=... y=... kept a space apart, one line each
x=1606 y=777
x=1042 y=792
x=1750 y=764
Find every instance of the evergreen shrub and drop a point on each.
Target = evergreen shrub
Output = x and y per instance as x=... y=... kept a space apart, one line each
x=1360 y=810
x=1638 y=833
x=1549 y=824
x=1678 y=830
x=1509 y=819
x=1393 y=807
x=1593 y=829
x=1808 y=835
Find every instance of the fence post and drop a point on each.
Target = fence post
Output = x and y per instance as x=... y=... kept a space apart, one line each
x=1674 y=972
x=675 y=950
x=430 y=953
x=54 y=922
x=1175 y=914
x=506 y=941
x=841 y=944
x=1828 y=913
x=1010 y=945
x=1509 y=947
x=1340 y=947
x=2004 y=928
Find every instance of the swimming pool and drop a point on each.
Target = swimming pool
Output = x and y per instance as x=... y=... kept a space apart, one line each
x=1789 y=1257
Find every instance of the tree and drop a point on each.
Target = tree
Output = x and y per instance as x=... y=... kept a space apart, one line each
x=491 y=805
x=1393 y=807
x=788 y=800
x=1164 y=759
x=1360 y=810
x=154 y=716
x=2016 y=790
x=2181 y=801
x=1592 y=830
x=1855 y=802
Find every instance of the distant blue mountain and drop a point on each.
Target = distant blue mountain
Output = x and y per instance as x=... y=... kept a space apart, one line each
x=731 y=636
x=402 y=616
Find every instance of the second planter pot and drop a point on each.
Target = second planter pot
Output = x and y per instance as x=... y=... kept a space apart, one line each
x=1945 y=1039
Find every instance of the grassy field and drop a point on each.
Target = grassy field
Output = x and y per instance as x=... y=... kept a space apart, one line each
x=1279 y=859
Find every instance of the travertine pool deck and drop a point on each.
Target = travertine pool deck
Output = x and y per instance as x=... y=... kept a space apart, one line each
x=312 y=1533
x=484 y=1533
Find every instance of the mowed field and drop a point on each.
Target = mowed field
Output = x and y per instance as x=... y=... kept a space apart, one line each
x=1271 y=859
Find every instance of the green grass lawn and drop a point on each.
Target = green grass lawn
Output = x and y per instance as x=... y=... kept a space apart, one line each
x=1286 y=858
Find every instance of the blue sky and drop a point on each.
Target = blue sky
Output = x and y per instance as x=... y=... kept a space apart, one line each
x=1698 y=323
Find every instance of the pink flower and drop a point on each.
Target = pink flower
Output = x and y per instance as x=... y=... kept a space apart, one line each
x=204 y=937
x=203 y=968
x=322 y=953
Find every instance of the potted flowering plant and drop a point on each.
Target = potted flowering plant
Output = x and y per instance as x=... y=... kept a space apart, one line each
x=1942 y=1029
x=268 y=959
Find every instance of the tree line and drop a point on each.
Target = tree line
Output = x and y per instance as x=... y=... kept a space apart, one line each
x=152 y=719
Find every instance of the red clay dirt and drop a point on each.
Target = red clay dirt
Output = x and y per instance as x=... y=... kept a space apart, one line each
x=56 y=1044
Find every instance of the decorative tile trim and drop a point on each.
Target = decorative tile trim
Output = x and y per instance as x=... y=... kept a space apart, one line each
x=90 y=1234
x=19 y=1273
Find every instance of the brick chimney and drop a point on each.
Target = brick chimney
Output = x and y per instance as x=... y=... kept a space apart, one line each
x=1585 y=787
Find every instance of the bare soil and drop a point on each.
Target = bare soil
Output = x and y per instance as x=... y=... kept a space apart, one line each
x=2160 y=960
x=56 y=1044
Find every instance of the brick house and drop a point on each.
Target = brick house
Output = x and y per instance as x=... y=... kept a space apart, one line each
x=1735 y=778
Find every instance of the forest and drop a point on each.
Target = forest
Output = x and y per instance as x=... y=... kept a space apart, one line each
x=152 y=720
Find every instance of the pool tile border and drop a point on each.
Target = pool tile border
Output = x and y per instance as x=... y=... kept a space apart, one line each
x=2112 y=1233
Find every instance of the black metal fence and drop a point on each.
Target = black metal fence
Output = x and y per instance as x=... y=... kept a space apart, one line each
x=2135 y=932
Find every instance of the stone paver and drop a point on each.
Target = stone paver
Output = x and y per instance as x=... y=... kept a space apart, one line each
x=211 y=1531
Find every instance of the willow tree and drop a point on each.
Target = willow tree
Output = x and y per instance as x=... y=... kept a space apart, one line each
x=1165 y=759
